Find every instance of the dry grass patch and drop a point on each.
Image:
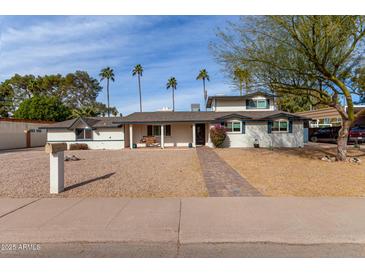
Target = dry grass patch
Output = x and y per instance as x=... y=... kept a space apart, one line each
x=298 y=172
x=105 y=173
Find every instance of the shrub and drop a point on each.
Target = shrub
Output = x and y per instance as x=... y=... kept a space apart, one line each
x=79 y=147
x=218 y=135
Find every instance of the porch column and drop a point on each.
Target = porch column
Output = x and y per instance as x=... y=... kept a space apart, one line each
x=162 y=136
x=131 y=136
x=194 y=136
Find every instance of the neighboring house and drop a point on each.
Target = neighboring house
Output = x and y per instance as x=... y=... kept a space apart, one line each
x=329 y=117
x=22 y=133
x=248 y=118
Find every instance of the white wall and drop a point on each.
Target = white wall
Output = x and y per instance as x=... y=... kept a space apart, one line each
x=13 y=135
x=108 y=138
x=238 y=105
x=181 y=135
x=258 y=130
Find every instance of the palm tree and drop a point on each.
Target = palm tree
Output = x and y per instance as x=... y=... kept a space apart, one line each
x=108 y=74
x=242 y=76
x=138 y=70
x=171 y=83
x=203 y=75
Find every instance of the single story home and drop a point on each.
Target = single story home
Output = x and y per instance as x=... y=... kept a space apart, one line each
x=248 y=119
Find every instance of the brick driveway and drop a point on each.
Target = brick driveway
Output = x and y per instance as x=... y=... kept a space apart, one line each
x=220 y=178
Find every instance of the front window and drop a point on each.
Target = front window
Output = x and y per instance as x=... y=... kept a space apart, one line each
x=280 y=126
x=233 y=126
x=156 y=130
x=257 y=103
x=83 y=134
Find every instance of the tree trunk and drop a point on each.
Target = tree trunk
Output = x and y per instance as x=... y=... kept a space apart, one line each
x=205 y=99
x=107 y=91
x=173 y=99
x=342 y=140
x=140 y=93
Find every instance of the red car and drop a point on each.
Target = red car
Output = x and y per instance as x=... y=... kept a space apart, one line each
x=357 y=134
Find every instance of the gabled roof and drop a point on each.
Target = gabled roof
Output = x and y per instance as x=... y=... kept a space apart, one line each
x=242 y=97
x=92 y=122
x=202 y=116
x=160 y=117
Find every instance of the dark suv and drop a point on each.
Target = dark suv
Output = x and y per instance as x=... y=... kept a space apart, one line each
x=326 y=134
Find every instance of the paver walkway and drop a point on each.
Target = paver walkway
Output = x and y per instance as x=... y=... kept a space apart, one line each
x=220 y=178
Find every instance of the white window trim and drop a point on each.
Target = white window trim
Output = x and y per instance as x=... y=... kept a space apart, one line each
x=257 y=100
x=234 y=121
x=280 y=131
x=84 y=139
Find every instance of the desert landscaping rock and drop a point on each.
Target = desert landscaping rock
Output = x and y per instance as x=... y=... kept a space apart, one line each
x=102 y=173
x=299 y=171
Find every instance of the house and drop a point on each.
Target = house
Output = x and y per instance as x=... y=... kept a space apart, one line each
x=22 y=133
x=248 y=119
x=329 y=117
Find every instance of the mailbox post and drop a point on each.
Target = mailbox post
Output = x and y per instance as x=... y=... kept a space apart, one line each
x=56 y=165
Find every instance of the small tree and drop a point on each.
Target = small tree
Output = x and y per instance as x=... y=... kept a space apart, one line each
x=218 y=135
x=43 y=108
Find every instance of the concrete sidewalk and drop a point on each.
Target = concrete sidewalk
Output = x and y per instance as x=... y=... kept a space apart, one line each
x=187 y=227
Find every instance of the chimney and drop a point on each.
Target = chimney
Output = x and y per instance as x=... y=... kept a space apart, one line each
x=195 y=107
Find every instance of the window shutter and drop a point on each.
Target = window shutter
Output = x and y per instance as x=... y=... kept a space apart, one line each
x=269 y=126
x=149 y=130
x=268 y=103
x=243 y=128
x=222 y=123
x=290 y=126
x=247 y=104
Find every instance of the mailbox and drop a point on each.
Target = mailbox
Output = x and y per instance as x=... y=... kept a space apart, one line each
x=55 y=147
x=56 y=166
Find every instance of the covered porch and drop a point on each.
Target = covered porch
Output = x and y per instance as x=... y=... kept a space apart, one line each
x=166 y=135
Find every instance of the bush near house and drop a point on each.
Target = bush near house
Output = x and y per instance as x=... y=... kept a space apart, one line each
x=79 y=147
x=218 y=135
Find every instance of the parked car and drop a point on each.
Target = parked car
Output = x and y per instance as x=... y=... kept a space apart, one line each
x=325 y=134
x=357 y=134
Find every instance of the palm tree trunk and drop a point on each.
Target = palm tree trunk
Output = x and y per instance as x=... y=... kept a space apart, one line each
x=204 y=94
x=107 y=91
x=241 y=87
x=140 y=93
x=173 y=99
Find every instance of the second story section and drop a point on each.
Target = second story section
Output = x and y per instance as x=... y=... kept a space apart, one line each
x=254 y=101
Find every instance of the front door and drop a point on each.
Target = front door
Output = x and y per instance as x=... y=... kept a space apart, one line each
x=200 y=134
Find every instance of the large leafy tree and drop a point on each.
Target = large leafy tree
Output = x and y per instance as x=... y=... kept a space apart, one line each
x=79 y=90
x=47 y=108
x=138 y=70
x=172 y=83
x=107 y=74
x=313 y=56
x=203 y=75
x=76 y=90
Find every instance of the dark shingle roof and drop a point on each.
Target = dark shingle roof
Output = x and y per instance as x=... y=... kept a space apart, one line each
x=177 y=116
x=93 y=122
x=209 y=116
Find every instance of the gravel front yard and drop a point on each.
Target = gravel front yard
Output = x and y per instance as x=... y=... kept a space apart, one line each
x=103 y=173
x=298 y=172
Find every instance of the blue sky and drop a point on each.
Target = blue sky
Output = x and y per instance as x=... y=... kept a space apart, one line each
x=165 y=46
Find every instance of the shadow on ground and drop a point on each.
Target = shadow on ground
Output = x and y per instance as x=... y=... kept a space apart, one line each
x=106 y=176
